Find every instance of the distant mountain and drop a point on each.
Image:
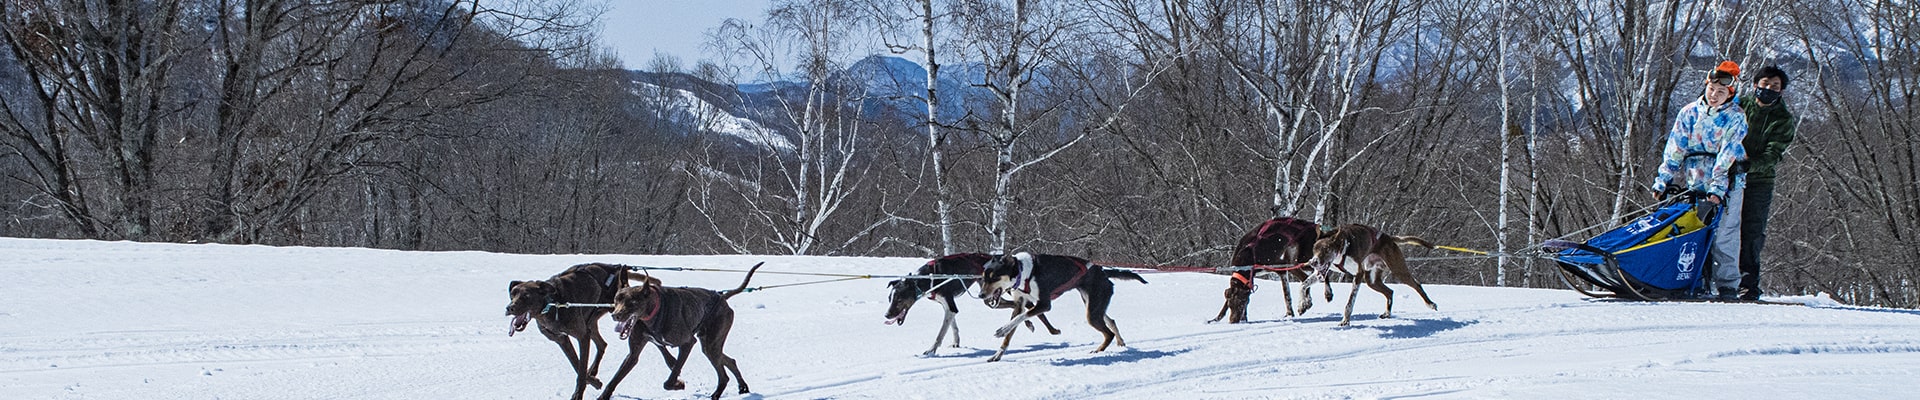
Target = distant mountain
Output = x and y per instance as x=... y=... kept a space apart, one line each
x=889 y=88
x=698 y=105
x=900 y=85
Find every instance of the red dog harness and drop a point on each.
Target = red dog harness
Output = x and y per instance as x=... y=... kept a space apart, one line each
x=1025 y=283
x=1071 y=282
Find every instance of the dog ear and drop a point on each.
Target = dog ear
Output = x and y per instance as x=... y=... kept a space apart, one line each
x=514 y=284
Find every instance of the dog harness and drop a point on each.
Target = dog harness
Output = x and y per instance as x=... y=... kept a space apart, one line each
x=1026 y=276
x=656 y=308
x=1070 y=282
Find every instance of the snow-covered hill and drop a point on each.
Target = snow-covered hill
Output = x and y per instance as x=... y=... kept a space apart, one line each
x=117 y=320
x=685 y=108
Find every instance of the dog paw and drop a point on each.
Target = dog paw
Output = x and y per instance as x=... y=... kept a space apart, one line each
x=1003 y=331
x=595 y=382
x=674 y=385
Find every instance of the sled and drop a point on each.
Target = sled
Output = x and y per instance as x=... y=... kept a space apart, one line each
x=1660 y=256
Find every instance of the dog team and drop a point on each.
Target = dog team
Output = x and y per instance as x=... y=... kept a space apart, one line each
x=568 y=307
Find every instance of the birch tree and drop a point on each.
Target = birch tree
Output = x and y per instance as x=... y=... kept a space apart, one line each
x=920 y=15
x=1623 y=58
x=822 y=171
x=1041 y=73
x=1505 y=132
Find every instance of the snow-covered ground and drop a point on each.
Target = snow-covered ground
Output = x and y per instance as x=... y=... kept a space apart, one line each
x=116 y=320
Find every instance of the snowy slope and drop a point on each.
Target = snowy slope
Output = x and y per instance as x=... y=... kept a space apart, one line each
x=690 y=109
x=117 y=320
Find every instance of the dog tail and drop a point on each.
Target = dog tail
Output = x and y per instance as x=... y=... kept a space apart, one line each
x=1413 y=240
x=1124 y=274
x=743 y=283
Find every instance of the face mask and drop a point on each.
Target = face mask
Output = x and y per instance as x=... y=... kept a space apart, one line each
x=1768 y=96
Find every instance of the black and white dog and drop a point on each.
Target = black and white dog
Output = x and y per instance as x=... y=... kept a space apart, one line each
x=1038 y=279
x=903 y=293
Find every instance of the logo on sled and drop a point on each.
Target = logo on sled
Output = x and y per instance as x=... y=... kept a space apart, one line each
x=1688 y=253
x=1643 y=225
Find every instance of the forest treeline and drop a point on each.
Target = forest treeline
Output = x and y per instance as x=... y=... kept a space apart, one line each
x=1137 y=132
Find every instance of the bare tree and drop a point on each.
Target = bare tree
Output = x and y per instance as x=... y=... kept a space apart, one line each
x=1036 y=70
x=1858 y=171
x=893 y=17
x=100 y=80
x=822 y=172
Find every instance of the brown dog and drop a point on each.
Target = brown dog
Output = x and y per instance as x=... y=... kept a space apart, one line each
x=1279 y=241
x=677 y=317
x=1368 y=255
x=592 y=283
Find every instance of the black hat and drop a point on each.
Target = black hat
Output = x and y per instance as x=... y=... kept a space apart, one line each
x=1772 y=72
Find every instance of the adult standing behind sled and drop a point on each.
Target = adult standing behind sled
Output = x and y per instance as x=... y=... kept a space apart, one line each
x=1701 y=151
x=1771 y=129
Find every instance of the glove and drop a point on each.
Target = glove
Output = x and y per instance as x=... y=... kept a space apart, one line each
x=1706 y=208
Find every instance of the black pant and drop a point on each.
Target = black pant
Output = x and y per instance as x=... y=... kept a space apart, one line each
x=1753 y=235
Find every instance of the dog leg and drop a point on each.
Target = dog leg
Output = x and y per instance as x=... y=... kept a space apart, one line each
x=635 y=346
x=1049 y=324
x=720 y=363
x=1038 y=308
x=1347 y=317
x=673 y=375
x=1019 y=311
x=942 y=334
x=593 y=370
x=1097 y=317
x=953 y=312
x=1376 y=267
x=667 y=357
x=586 y=371
x=1003 y=348
x=578 y=363
x=714 y=343
x=1306 y=291
x=1224 y=306
x=1399 y=268
x=1379 y=284
x=1286 y=291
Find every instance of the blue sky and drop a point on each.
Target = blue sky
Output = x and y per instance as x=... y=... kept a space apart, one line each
x=636 y=29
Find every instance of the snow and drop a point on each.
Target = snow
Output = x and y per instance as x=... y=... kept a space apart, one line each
x=700 y=113
x=121 y=320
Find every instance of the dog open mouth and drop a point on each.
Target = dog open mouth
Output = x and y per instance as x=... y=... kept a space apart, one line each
x=1004 y=298
x=624 y=327
x=900 y=320
x=519 y=323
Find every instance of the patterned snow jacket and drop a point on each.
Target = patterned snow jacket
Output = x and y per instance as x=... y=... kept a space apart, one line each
x=1702 y=147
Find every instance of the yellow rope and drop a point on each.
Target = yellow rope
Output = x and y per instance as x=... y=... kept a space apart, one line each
x=1462 y=250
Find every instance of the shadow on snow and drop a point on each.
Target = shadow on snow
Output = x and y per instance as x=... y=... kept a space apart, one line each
x=1120 y=357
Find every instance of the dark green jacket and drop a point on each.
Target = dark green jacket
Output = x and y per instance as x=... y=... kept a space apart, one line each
x=1770 y=130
